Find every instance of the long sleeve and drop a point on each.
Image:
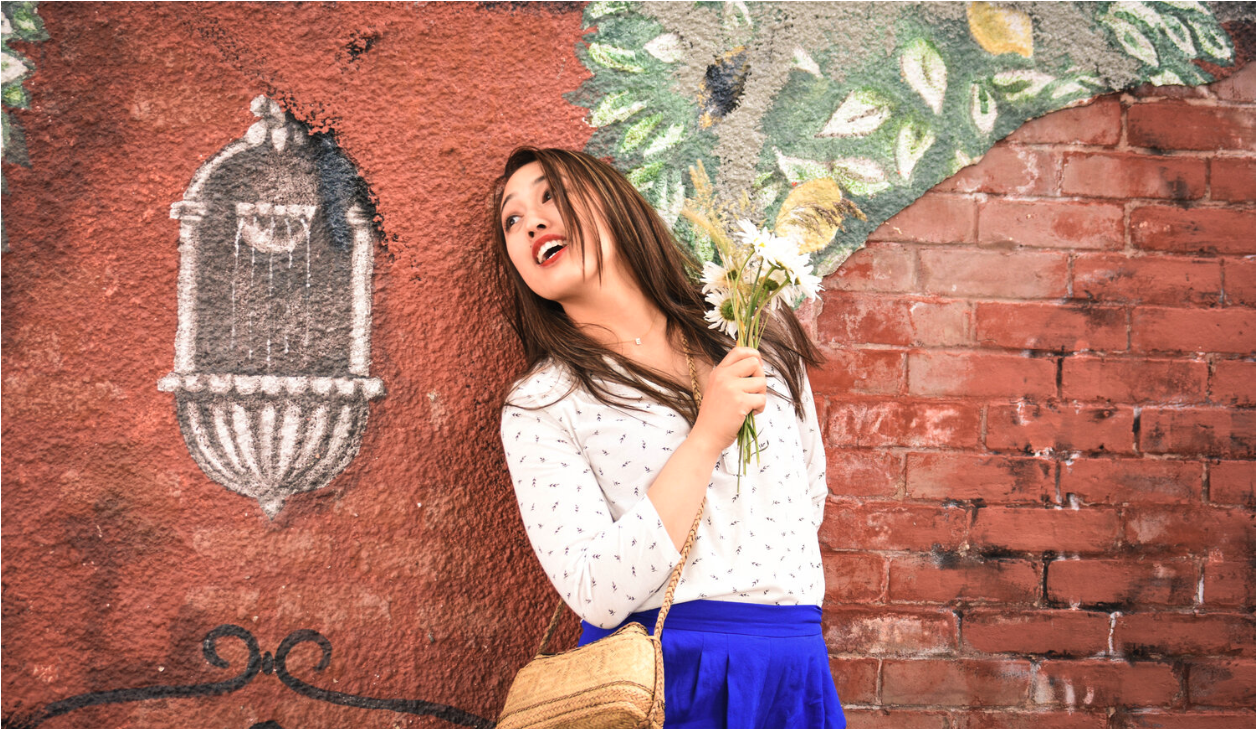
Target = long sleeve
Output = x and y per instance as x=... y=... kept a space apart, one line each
x=812 y=435
x=603 y=568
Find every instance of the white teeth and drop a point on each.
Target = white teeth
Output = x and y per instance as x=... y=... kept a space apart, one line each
x=542 y=253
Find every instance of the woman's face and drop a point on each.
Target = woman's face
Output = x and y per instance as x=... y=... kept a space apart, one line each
x=548 y=262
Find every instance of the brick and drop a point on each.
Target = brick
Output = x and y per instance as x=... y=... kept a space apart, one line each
x=932 y=218
x=1016 y=274
x=1039 y=632
x=1113 y=583
x=1134 y=380
x=1044 y=224
x=1098 y=123
x=880 y=267
x=893 y=718
x=863 y=473
x=1150 y=279
x=861 y=371
x=1218 y=432
x=1102 y=683
x=855 y=319
x=1164 y=329
x=957 y=682
x=1179 y=634
x=933 y=373
x=1007 y=169
x=1233 y=382
x=940 y=323
x=1132 y=480
x=853 y=576
x=990 y=479
x=1240 y=280
x=1019 y=719
x=1226 y=584
x=1052 y=327
x=1189 y=720
x=1233 y=179
x=1025 y=529
x=1120 y=175
x=947 y=576
x=1222 y=683
x=891 y=525
x=1219 y=531
x=1171 y=125
x=855 y=679
x=882 y=630
x=1232 y=482
x=1192 y=230
x=1238 y=86
x=1039 y=428
x=900 y=422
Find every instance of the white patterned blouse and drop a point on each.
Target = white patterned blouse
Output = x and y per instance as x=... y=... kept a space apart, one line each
x=581 y=470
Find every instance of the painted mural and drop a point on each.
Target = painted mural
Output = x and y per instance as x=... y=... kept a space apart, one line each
x=18 y=21
x=273 y=351
x=795 y=105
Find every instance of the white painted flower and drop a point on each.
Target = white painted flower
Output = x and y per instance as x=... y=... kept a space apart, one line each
x=666 y=48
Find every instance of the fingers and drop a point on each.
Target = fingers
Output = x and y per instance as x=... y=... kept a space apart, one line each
x=737 y=354
x=748 y=367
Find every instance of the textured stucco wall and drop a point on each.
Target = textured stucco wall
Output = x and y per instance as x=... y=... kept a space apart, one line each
x=120 y=554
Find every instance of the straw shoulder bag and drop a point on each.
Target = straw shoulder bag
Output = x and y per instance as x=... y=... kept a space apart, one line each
x=613 y=683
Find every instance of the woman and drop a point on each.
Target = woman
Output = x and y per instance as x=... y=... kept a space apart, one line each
x=611 y=458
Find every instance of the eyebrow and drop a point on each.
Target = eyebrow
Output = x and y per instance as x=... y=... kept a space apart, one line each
x=534 y=184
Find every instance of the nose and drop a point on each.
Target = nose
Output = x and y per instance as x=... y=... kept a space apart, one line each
x=536 y=224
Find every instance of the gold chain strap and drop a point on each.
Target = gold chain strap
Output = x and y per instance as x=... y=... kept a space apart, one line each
x=674 y=580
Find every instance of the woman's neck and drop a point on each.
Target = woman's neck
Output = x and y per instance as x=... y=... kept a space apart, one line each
x=619 y=314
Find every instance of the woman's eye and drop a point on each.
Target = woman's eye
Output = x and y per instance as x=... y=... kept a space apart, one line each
x=546 y=197
x=510 y=222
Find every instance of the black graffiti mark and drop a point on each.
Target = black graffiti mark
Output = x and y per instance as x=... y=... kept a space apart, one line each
x=258 y=662
x=401 y=706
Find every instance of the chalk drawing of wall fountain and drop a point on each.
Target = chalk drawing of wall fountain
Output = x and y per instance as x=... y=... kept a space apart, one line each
x=272 y=354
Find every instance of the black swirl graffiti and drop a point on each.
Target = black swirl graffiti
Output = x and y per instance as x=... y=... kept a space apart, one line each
x=258 y=662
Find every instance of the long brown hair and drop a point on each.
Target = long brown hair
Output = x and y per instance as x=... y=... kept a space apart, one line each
x=665 y=273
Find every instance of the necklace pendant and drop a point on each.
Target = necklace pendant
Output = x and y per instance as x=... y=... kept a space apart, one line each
x=638 y=340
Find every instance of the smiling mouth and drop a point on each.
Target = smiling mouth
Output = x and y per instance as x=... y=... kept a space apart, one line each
x=548 y=249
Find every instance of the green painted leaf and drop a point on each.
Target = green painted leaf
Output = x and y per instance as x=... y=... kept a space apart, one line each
x=766 y=195
x=1132 y=39
x=1179 y=35
x=1137 y=11
x=1213 y=40
x=644 y=176
x=613 y=108
x=1194 y=7
x=798 y=170
x=860 y=175
x=860 y=114
x=666 y=48
x=671 y=197
x=1165 y=78
x=1021 y=85
x=599 y=9
x=982 y=108
x=912 y=143
x=15 y=96
x=27 y=24
x=620 y=59
x=637 y=133
x=925 y=72
x=667 y=139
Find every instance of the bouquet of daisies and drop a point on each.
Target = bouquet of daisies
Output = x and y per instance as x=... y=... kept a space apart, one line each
x=757 y=269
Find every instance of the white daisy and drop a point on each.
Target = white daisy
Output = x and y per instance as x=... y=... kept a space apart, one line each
x=720 y=315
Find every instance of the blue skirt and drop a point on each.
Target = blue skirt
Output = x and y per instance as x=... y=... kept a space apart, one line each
x=731 y=665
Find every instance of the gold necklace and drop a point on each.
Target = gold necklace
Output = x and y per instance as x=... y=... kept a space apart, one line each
x=637 y=340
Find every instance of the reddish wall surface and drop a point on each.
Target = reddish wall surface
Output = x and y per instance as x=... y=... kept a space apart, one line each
x=1041 y=430
x=1039 y=405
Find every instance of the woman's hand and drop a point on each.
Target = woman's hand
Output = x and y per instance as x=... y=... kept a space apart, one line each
x=735 y=388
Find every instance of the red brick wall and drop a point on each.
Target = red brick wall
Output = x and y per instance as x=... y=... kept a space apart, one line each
x=1039 y=413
